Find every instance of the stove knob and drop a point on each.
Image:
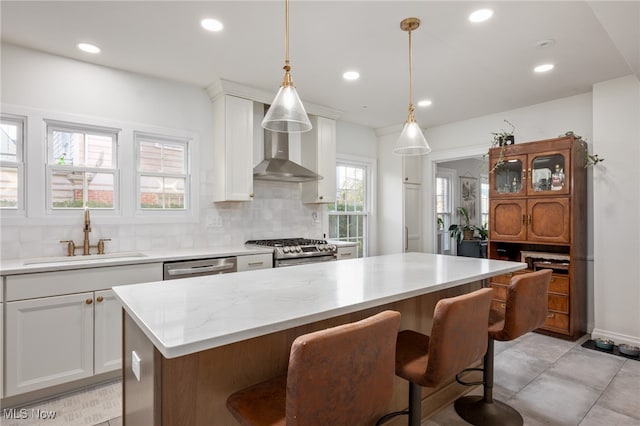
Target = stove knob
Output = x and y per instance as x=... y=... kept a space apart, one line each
x=332 y=247
x=320 y=247
x=299 y=249
x=286 y=249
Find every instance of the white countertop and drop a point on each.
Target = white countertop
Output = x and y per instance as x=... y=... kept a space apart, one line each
x=27 y=266
x=189 y=315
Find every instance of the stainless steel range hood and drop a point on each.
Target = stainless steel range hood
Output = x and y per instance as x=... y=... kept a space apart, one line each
x=276 y=165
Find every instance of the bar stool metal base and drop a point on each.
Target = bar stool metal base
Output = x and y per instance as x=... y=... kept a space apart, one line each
x=478 y=412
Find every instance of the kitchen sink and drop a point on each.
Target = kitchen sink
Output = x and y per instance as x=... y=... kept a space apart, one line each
x=78 y=258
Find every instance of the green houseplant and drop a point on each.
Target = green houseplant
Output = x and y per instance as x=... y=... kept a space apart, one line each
x=465 y=230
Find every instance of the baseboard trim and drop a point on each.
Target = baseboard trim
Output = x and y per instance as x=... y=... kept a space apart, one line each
x=616 y=337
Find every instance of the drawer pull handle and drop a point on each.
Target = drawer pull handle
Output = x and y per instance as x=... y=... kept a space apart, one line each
x=99 y=299
x=524 y=219
x=88 y=301
x=251 y=195
x=255 y=263
x=551 y=315
x=346 y=254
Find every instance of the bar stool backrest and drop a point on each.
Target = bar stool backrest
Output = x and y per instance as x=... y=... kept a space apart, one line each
x=343 y=375
x=458 y=335
x=526 y=305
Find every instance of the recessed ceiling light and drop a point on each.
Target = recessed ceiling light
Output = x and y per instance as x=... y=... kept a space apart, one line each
x=88 y=47
x=481 y=15
x=351 y=75
x=424 y=103
x=211 y=24
x=543 y=68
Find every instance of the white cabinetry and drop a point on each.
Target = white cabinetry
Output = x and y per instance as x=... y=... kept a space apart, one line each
x=107 y=332
x=66 y=325
x=255 y=261
x=411 y=166
x=319 y=155
x=411 y=220
x=49 y=342
x=348 y=252
x=233 y=148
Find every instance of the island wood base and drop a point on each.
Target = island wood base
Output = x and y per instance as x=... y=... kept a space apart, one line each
x=192 y=390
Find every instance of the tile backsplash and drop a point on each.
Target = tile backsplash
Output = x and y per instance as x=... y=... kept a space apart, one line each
x=276 y=211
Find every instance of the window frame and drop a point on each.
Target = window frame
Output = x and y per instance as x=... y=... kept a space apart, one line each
x=187 y=142
x=49 y=127
x=19 y=164
x=369 y=178
x=450 y=175
x=484 y=180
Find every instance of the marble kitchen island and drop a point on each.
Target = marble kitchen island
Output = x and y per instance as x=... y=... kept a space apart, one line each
x=200 y=339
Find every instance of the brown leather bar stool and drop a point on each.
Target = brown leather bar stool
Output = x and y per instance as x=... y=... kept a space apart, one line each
x=525 y=310
x=338 y=376
x=458 y=339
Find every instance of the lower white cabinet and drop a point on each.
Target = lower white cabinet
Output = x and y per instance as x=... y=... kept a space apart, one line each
x=107 y=326
x=349 y=252
x=255 y=261
x=49 y=342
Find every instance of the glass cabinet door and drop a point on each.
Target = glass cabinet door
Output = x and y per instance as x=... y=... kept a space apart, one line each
x=506 y=177
x=548 y=172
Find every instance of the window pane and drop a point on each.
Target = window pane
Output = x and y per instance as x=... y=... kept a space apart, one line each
x=82 y=149
x=157 y=192
x=162 y=157
x=77 y=189
x=350 y=189
x=9 y=142
x=9 y=187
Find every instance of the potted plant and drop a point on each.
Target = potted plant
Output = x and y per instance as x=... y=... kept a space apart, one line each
x=465 y=231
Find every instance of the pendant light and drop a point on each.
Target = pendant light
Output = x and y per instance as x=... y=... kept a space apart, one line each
x=286 y=113
x=411 y=140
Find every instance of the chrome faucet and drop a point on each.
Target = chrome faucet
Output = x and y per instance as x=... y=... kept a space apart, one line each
x=86 y=245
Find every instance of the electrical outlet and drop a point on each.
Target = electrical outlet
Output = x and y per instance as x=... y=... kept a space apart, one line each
x=135 y=364
x=214 y=221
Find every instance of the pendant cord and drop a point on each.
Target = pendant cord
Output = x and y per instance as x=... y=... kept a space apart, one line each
x=410 y=75
x=286 y=32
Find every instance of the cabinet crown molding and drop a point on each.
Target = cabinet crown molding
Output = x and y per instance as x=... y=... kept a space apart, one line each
x=225 y=87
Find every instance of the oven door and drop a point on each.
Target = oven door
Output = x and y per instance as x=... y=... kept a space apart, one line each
x=303 y=260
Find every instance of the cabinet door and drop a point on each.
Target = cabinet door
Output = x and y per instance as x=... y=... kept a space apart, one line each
x=508 y=220
x=412 y=236
x=107 y=332
x=233 y=149
x=507 y=175
x=549 y=173
x=319 y=155
x=49 y=341
x=548 y=220
x=411 y=166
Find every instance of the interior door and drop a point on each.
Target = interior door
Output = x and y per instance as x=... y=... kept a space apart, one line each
x=412 y=236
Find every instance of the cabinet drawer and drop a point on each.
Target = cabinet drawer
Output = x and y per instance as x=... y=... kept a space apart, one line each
x=557 y=322
x=255 y=261
x=559 y=284
x=559 y=303
x=499 y=291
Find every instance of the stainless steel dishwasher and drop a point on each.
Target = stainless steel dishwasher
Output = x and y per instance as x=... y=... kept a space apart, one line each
x=199 y=268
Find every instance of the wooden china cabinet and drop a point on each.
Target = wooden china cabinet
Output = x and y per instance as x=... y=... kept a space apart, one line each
x=537 y=202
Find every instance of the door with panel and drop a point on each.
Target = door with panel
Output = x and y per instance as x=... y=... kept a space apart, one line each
x=412 y=235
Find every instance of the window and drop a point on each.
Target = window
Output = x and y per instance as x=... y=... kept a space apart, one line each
x=444 y=207
x=11 y=162
x=82 y=166
x=163 y=179
x=484 y=201
x=348 y=216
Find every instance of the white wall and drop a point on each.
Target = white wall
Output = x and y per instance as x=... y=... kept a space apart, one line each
x=616 y=200
x=51 y=85
x=390 y=198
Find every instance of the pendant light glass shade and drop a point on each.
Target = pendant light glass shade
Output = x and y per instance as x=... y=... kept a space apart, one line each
x=286 y=113
x=411 y=140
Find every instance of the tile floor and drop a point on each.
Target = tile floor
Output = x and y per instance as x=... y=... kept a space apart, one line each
x=549 y=381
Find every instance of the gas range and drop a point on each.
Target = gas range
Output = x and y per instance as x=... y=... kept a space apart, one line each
x=297 y=251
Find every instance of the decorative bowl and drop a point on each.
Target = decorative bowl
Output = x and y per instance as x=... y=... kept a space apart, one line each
x=629 y=350
x=604 y=344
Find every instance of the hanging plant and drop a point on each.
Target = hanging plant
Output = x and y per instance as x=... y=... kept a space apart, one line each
x=589 y=159
x=502 y=139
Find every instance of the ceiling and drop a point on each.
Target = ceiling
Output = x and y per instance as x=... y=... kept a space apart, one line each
x=466 y=69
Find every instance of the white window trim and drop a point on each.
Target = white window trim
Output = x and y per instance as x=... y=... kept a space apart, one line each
x=188 y=144
x=371 y=165
x=20 y=164
x=452 y=175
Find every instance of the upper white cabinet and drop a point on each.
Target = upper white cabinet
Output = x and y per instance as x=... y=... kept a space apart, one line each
x=233 y=133
x=411 y=166
x=318 y=152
